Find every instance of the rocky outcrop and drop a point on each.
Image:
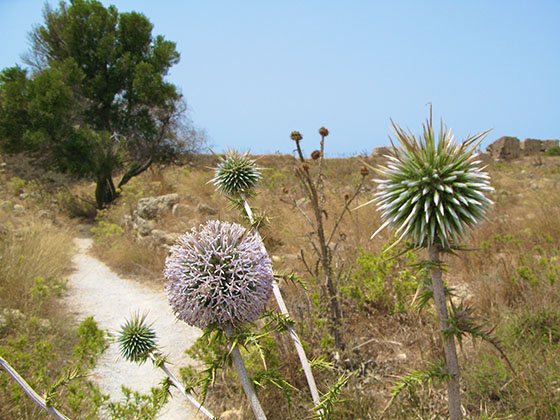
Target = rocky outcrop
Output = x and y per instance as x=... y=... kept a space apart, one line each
x=150 y=207
x=510 y=147
x=505 y=148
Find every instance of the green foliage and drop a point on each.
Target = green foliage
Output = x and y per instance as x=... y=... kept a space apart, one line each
x=553 y=151
x=45 y=288
x=106 y=232
x=91 y=342
x=137 y=406
x=98 y=100
x=387 y=281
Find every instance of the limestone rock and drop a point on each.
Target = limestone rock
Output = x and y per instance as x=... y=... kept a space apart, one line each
x=150 y=207
x=181 y=210
x=206 y=210
x=531 y=146
x=162 y=237
x=505 y=148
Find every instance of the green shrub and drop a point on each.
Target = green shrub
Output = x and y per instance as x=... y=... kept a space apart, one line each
x=553 y=151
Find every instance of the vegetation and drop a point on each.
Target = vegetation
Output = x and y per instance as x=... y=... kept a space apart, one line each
x=96 y=100
x=360 y=308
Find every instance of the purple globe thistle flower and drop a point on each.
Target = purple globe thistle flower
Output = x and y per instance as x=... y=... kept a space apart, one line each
x=219 y=274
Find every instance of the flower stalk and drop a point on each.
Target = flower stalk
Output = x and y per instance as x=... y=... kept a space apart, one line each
x=236 y=177
x=244 y=377
x=433 y=192
x=31 y=392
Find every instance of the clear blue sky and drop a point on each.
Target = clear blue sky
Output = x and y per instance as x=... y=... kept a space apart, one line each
x=253 y=71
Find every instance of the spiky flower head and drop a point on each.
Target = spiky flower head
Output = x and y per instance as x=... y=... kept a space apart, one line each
x=136 y=339
x=323 y=132
x=236 y=174
x=218 y=274
x=433 y=189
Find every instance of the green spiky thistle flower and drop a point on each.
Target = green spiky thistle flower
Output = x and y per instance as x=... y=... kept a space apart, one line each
x=236 y=174
x=136 y=339
x=433 y=190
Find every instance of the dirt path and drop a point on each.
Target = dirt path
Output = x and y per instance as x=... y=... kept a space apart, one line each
x=93 y=289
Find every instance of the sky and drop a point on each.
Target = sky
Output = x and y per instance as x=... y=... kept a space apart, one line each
x=254 y=71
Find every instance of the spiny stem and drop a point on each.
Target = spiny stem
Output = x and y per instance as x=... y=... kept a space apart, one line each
x=179 y=386
x=31 y=392
x=453 y=390
x=245 y=381
x=291 y=330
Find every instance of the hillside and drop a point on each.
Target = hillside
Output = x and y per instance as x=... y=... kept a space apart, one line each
x=505 y=282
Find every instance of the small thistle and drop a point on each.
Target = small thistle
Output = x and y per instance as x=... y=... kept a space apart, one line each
x=305 y=166
x=296 y=136
x=433 y=190
x=136 y=339
x=285 y=190
x=323 y=132
x=219 y=274
x=315 y=155
x=364 y=171
x=236 y=174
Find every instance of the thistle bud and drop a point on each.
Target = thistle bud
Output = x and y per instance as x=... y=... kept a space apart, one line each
x=305 y=166
x=323 y=132
x=285 y=190
x=296 y=136
x=364 y=171
x=136 y=339
x=315 y=155
x=346 y=196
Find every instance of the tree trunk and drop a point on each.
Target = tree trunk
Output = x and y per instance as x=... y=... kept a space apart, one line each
x=453 y=391
x=105 y=192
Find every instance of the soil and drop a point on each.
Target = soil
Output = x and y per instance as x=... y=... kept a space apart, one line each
x=94 y=290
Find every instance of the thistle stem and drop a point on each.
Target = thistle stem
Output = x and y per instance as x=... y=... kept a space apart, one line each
x=245 y=381
x=453 y=390
x=31 y=392
x=291 y=330
x=180 y=387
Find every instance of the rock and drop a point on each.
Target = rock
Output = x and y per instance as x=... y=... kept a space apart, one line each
x=381 y=151
x=162 y=237
x=181 y=210
x=549 y=144
x=18 y=209
x=530 y=146
x=150 y=207
x=143 y=226
x=505 y=148
x=206 y=210
x=47 y=214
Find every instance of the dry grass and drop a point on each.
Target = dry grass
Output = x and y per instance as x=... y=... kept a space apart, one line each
x=507 y=274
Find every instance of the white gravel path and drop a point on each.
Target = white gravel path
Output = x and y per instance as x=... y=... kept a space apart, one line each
x=93 y=289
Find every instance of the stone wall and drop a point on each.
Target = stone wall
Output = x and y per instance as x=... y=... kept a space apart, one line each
x=510 y=147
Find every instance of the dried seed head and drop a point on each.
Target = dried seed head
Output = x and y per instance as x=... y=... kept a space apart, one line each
x=285 y=190
x=315 y=155
x=346 y=196
x=219 y=274
x=364 y=171
x=323 y=132
x=295 y=136
x=305 y=166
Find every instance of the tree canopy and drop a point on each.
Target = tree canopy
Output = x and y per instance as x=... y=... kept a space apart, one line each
x=95 y=100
